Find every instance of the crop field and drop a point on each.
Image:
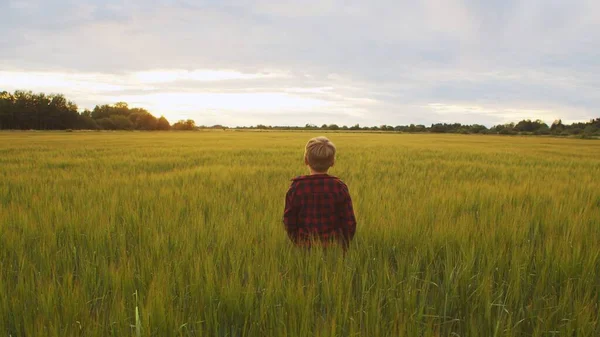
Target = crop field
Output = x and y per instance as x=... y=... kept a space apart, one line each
x=181 y=234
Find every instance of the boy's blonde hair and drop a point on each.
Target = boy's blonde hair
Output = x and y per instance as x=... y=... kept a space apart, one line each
x=319 y=154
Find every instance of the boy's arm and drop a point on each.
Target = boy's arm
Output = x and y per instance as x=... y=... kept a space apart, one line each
x=290 y=217
x=346 y=212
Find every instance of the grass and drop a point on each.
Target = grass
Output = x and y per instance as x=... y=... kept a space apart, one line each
x=180 y=234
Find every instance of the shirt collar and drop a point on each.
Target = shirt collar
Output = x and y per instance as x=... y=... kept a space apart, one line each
x=314 y=176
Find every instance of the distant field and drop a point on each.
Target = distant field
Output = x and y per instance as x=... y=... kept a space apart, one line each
x=180 y=234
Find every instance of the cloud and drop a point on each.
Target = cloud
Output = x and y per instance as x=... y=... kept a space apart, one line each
x=165 y=76
x=22 y=4
x=372 y=63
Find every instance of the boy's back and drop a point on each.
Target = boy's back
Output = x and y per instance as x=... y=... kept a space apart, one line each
x=318 y=206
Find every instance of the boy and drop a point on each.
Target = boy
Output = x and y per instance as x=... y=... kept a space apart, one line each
x=318 y=207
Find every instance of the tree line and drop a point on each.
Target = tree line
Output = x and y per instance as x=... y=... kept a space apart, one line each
x=24 y=110
x=524 y=127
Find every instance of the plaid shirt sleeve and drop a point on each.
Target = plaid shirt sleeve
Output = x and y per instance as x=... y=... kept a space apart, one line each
x=290 y=216
x=346 y=213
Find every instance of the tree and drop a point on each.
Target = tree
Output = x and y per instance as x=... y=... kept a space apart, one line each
x=420 y=128
x=591 y=129
x=557 y=126
x=575 y=131
x=121 y=108
x=186 y=125
x=7 y=102
x=478 y=128
x=163 y=124
x=507 y=131
x=121 y=122
x=438 y=128
x=543 y=129
x=503 y=129
x=105 y=124
x=26 y=110
x=146 y=121
x=64 y=112
x=139 y=119
x=86 y=123
x=530 y=126
x=86 y=113
x=101 y=111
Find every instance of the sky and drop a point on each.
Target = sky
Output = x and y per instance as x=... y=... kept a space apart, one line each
x=250 y=62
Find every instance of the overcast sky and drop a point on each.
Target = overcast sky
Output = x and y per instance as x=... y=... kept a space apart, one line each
x=279 y=62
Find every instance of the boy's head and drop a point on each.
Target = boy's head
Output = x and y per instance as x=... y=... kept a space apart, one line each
x=319 y=154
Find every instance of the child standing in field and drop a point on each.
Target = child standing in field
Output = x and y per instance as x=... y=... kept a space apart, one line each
x=318 y=207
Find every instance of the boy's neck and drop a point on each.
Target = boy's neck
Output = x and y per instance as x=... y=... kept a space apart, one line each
x=312 y=172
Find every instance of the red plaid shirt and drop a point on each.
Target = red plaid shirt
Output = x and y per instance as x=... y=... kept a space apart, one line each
x=319 y=207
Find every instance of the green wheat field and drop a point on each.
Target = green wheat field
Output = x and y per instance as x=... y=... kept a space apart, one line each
x=181 y=234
